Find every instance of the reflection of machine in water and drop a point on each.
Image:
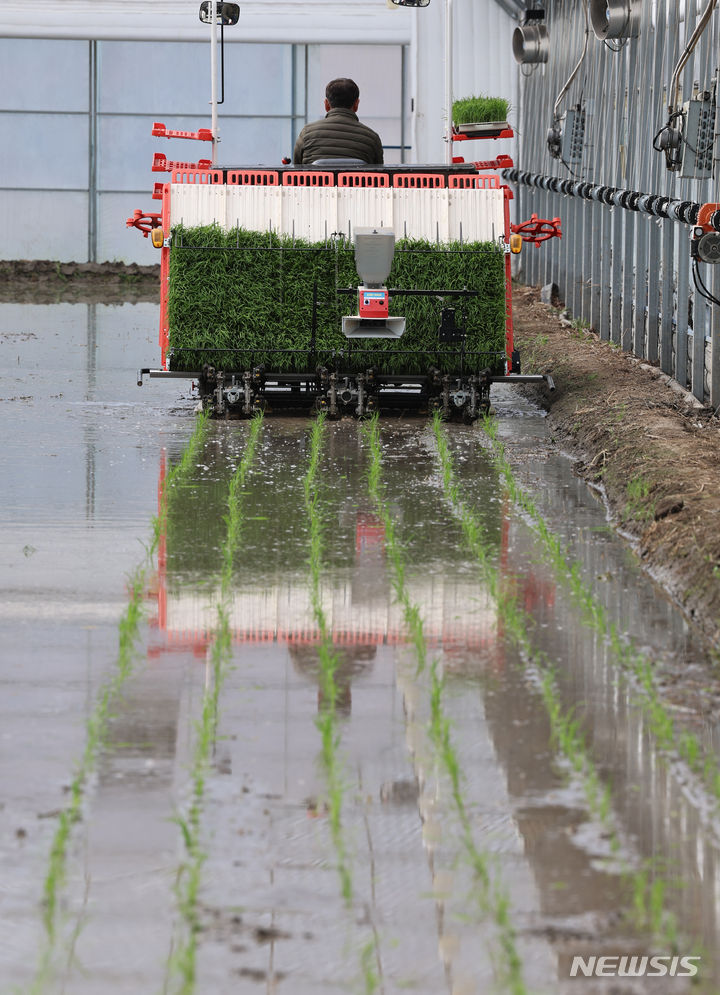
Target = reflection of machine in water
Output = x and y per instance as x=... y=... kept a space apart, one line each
x=356 y=598
x=271 y=598
x=351 y=662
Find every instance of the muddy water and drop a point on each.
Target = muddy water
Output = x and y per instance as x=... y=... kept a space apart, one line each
x=85 y=457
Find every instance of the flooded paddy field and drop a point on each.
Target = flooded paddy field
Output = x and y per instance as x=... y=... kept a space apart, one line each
x=301 y=706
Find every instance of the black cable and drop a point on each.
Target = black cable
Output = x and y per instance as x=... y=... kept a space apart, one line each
x=700 y=286
x=569 y=169
x=704 y=151
x=621 y=45
x=668 y=124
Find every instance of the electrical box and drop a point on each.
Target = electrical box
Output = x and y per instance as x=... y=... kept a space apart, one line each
x=698 y=137
x=573 y=135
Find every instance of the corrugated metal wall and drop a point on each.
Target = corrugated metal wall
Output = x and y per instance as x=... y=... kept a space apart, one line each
x=626 y=274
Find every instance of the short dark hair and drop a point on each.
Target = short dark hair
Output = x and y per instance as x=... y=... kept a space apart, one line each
x=342 y=92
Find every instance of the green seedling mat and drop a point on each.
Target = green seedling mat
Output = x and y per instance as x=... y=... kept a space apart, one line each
x=239 y=299
x=470 y=110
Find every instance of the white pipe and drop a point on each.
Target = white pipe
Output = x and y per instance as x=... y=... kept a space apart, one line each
x=448 y=80
x=573 y=74
x=213 y=79
x=674 y=91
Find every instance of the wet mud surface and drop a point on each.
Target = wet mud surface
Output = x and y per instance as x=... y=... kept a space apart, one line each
x=508 y=800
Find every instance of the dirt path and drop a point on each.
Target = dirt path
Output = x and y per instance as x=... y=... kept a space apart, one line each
x=653 y=450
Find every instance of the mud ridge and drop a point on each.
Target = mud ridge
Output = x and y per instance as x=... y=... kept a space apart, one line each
x=653 y=448
x=46 y=281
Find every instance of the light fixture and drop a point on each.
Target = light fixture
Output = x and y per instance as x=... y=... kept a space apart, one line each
x=516 y=243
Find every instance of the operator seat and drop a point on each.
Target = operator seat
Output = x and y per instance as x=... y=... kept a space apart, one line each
x=339 y=161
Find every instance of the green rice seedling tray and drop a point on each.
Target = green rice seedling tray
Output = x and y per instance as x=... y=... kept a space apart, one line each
x=239 y=299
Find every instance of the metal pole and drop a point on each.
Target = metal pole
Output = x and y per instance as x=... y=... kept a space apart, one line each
x=403 y=98
x=92 y=150
x=213 y=79
x=293 y=96
x=448 y=81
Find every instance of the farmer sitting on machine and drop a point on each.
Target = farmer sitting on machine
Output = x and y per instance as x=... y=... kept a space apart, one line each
x=339 y=135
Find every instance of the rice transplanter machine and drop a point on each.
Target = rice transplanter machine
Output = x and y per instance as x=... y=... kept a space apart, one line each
x=365 y=345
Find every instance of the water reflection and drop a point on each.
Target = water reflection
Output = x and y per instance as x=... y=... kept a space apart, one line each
x=265 y=819
x=271 y=600
x=80 y=447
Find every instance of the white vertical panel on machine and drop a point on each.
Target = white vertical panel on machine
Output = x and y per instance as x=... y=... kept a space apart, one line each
x=193 y=204
x=421 y=214
x=476 y=215
x=257 y=208
x=309 y=212
x=364 y=207
x=314 y=213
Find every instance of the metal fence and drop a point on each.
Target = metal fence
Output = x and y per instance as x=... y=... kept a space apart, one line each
x=620 y=269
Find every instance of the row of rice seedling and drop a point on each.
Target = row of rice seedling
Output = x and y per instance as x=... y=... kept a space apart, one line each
x=327 y=719
x=96 y=727
x=595 y=614
x=97 y=723
x=327 y=722
x=239 y=298
x=491 y=894
x=182 y=968
x=647 y=884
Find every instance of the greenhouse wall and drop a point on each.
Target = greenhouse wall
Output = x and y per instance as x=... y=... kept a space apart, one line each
x=625 y=272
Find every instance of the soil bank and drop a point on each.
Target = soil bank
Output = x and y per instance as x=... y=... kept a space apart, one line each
x=653 y=449
x=45 y=281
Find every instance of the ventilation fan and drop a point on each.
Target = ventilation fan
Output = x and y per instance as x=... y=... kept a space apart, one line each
x=531 y=42
x=615 y=18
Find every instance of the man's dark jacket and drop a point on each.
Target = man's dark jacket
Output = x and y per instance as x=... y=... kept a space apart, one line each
x=338 y=135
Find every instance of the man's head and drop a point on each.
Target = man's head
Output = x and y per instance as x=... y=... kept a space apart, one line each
x=342 y=93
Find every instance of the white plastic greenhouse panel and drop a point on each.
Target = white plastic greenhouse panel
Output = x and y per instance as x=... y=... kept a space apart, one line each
x=41 y=224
